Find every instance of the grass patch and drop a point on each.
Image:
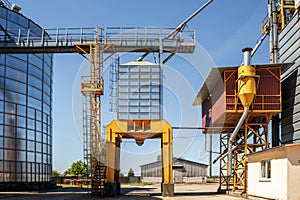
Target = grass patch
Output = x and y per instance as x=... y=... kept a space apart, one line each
x=136 y=184
x=72 y=186
x=213 y=180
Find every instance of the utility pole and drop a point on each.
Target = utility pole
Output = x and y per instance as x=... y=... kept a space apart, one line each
x=210 y=155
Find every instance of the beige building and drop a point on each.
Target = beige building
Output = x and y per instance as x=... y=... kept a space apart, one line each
x=275 y=173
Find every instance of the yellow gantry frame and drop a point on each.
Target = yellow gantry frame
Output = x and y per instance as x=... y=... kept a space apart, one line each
x=141 y=130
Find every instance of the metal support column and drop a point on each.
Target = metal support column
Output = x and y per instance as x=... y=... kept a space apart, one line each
x=167 y=162
x=112 y=185
x=224 y=178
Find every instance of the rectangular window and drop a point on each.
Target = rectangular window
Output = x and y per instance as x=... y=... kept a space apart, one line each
x=265 y=169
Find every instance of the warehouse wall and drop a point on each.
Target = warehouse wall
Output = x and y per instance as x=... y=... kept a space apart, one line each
x=289 y=42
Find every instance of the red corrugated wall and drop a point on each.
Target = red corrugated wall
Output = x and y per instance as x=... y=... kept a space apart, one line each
x=267 y=98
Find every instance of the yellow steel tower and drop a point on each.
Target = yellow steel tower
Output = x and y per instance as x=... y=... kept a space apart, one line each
x=92 y=87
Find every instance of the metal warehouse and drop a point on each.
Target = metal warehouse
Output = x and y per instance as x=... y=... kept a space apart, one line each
x=184 y=171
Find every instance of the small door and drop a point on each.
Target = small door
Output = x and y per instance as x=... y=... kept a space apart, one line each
x=177 y=176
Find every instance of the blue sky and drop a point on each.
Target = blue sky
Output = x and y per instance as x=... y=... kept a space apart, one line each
x=222 y=30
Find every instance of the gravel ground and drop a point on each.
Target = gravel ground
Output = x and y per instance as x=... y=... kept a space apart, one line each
x=182 y=192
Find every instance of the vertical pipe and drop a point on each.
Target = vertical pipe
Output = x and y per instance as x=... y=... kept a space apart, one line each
x=210 y=155
x=275 y=33
x=160 y=56
x=274 y=60
x=270 y=11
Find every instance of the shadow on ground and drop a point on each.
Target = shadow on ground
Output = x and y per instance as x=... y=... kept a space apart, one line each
x=136 y=193
x=139 y=193
x=77 y=194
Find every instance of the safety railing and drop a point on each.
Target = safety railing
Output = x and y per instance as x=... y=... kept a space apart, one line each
x=147 y=36
x=124 y=39
x=91 y=85
x=50 y=37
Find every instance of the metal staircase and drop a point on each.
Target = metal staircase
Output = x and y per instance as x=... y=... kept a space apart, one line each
x=98 y=180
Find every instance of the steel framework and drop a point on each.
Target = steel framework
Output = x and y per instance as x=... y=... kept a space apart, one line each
x=94 y=44
x=253 y=136
x=92 y=87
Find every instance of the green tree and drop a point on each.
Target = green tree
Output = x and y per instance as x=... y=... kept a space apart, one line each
x=55 y=173
x=77 y=168
x=121 y=174
x=130 y=173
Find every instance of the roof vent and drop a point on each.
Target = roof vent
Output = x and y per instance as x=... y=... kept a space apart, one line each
x=16 y=8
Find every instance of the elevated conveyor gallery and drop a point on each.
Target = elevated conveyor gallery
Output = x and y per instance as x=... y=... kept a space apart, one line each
x=124 y=39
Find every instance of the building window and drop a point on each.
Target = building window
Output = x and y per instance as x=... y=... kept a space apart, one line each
x=265 y=169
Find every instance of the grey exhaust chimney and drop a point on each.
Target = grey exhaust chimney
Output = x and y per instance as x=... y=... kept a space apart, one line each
x=247 y=56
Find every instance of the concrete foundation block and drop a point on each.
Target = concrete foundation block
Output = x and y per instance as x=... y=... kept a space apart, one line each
x=167 y=189
x=112 y=189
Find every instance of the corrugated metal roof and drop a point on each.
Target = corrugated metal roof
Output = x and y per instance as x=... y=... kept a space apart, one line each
x=174 y=160
x=139 y=63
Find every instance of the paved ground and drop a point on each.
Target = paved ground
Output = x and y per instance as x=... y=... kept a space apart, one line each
x=182 y=192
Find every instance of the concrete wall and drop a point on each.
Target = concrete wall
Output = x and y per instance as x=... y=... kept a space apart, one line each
x=151 y=179
x=275 y=187
x=293 y=186
x=136 y=179
x=200 y=179
x=195 y=179
x=285 y=173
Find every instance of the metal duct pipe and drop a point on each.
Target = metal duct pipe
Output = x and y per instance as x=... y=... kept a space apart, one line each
x=247 y=56
x=223 y=155
x=235 y=132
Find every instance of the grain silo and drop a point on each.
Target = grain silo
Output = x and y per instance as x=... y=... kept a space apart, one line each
x=25 y=110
